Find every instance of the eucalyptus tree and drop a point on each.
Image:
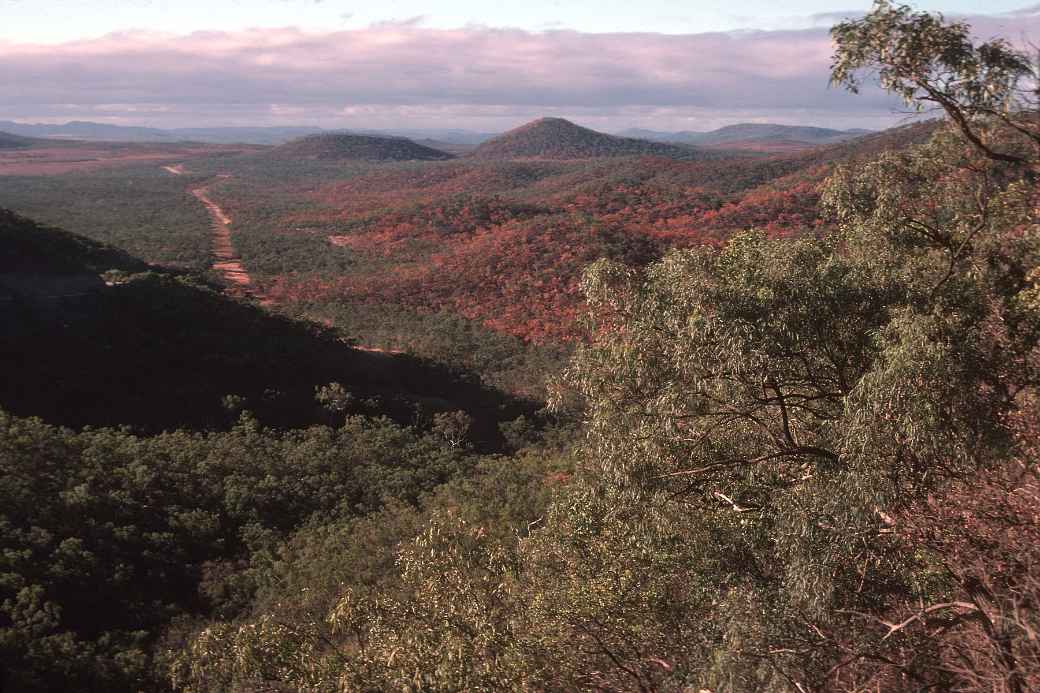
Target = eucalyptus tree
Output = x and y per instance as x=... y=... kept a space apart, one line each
x=763 y=423
x=778 y=409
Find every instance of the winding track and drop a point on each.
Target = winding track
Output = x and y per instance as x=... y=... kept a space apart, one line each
x=227 y=262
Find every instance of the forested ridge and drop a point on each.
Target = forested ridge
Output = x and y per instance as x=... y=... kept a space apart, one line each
x=557 y=138
x=790 y=442
x=344 y=146
x=204 y=432
x=9 y=141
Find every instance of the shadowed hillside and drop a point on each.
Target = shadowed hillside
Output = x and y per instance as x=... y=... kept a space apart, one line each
x=556 y=138
x=454 y=148
x=9 y=141
x=158 y=351
x=30 y=248
x=341 y=146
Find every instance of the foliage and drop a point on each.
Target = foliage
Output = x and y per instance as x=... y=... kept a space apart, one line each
x=502 y=362
x=109 y=536
x=34 y=249
x=112 y=539
x=928 y=62
x=143 y=211
x=502 y=243
x=809 y=464
x=292 y=640
x=809 y=451
x=69 y=336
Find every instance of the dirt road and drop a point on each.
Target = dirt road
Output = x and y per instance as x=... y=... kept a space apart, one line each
x=226 y=260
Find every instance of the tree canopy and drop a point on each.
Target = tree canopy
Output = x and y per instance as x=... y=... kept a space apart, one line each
x=808 y=464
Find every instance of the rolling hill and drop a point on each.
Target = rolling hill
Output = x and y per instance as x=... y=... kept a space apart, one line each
x=343 y=146
x=767 y=136
x=85 y=130
x=765 y=131
x=559 y=139
x=455 y=148
x=267 y=135
x=166 y=349
x=9 y=141
x=502 y=243
x=33 y=249
x=241 y=135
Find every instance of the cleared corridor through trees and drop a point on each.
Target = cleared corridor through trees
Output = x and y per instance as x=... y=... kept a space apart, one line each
x=227 y=262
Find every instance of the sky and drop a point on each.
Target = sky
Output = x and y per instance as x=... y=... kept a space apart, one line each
x=481 y=65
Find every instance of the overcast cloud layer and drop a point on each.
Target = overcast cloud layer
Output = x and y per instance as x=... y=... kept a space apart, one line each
x=398 y=75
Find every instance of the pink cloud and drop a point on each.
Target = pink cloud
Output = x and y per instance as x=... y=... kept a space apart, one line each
x=389 y=67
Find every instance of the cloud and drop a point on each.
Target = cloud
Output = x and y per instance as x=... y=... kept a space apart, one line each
x=402 y=70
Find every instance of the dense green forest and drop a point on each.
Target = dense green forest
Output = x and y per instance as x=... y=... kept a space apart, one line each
x=9 y=141
x=791 y=441
x=143 y=210
x=205 y=433
x=807 y=464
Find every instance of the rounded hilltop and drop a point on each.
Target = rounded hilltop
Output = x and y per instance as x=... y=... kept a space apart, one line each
x=9 y=141
x=332 y=146
x=558 y=138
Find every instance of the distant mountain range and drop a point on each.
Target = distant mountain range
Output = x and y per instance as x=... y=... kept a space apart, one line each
x=85 y=130
x=749 y=132
x=556 y=138
x=338 y=146
x=82 y=130
x=455 y=140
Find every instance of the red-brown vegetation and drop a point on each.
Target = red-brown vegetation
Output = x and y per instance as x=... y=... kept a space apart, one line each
x=504 y=242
